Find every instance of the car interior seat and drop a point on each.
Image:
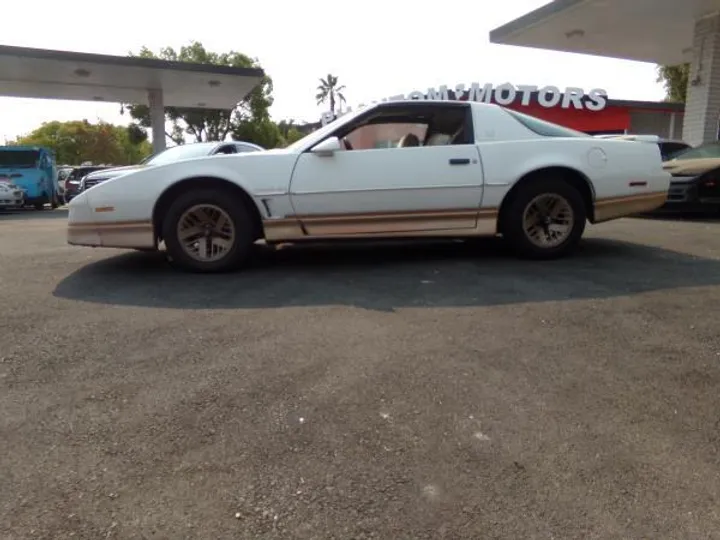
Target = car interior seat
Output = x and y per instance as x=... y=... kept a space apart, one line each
x=409 y=140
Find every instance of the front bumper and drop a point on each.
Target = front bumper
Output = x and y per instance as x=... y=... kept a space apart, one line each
x=12 y=197
x=684 y=196
x=86 y=229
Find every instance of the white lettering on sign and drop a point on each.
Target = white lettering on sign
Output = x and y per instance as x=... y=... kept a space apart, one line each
x=483 y=95
x=549 y=96
x=598 y=99
x=504 y=94
x=527 y=91
x=441 y=94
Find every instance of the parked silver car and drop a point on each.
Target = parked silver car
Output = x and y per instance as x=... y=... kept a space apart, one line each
x=174 y=153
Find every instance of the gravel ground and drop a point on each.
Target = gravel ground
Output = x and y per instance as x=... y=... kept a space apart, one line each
x=441 y=390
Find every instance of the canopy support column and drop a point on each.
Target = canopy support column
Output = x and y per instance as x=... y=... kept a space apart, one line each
x=157 y=119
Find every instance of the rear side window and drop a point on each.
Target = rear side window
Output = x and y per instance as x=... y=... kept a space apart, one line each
x=541 y=127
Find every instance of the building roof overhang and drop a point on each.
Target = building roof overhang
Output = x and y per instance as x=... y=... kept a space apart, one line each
x=48 y=74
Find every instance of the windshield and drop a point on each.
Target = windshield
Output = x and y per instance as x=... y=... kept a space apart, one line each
x=320 y=134
x=710 y=150
x=182 y=151
x=19 y=158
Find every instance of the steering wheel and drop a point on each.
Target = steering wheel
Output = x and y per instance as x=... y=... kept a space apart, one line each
x=347 y=144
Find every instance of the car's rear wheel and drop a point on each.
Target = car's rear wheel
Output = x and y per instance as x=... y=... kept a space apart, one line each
x=545 y=219
x=208 y=231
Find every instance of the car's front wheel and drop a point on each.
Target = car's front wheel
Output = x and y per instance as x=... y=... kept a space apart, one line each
x=545 y=219
x=208 y=230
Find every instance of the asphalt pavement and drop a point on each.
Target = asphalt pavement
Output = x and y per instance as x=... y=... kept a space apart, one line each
x=435 y=390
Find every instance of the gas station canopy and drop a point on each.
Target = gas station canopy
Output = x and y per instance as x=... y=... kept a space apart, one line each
x=38 y=73
x=657 y=31
x=665 y=32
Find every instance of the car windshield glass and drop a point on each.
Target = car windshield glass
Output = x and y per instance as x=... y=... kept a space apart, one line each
x=711 y=150
x=182 y=151
x=319 y=134
x=19 y=158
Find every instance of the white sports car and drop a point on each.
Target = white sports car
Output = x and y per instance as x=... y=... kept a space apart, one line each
x=394 y=169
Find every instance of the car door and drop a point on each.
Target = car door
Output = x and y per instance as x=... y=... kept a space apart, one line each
x=381 y=186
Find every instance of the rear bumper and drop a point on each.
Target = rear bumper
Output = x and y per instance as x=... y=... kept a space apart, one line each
x=617 y=207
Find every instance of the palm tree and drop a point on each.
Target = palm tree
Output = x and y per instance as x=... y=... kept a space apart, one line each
x=328 y=90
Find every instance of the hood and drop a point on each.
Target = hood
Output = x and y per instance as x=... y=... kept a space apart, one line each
x=115 y=171
x=690 y=167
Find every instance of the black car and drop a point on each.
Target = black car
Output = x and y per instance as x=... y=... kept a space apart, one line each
x=72 y=181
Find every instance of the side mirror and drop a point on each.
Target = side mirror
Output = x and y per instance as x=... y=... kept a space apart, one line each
x=327 y=147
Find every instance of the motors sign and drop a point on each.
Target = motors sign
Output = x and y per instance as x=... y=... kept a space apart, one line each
x=506 y=94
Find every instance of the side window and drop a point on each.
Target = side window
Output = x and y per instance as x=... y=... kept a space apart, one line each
x=386 y=135
x=417 y=125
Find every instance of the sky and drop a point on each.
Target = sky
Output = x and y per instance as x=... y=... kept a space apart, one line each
x=377 y=48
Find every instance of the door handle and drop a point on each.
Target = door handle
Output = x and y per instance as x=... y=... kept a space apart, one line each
x=460 y=161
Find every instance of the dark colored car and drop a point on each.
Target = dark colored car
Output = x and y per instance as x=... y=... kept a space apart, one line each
x=695 y=184
x=72 y=182
x=169 y=155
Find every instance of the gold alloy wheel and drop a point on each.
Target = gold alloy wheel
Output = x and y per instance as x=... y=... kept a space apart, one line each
x=548 y=220
x=206 y=232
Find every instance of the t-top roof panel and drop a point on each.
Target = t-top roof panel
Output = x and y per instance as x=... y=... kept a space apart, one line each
x=47 y=74
x=657 y=31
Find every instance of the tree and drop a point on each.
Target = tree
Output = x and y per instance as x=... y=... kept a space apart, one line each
x=329 y=91
x=289 y=132
x=263 y=132
x=79 y=140
x=675 y=80
x=204 y=124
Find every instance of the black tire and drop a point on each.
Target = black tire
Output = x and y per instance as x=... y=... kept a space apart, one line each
x=39 y=206
x=514 y=231
x=241 y=248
